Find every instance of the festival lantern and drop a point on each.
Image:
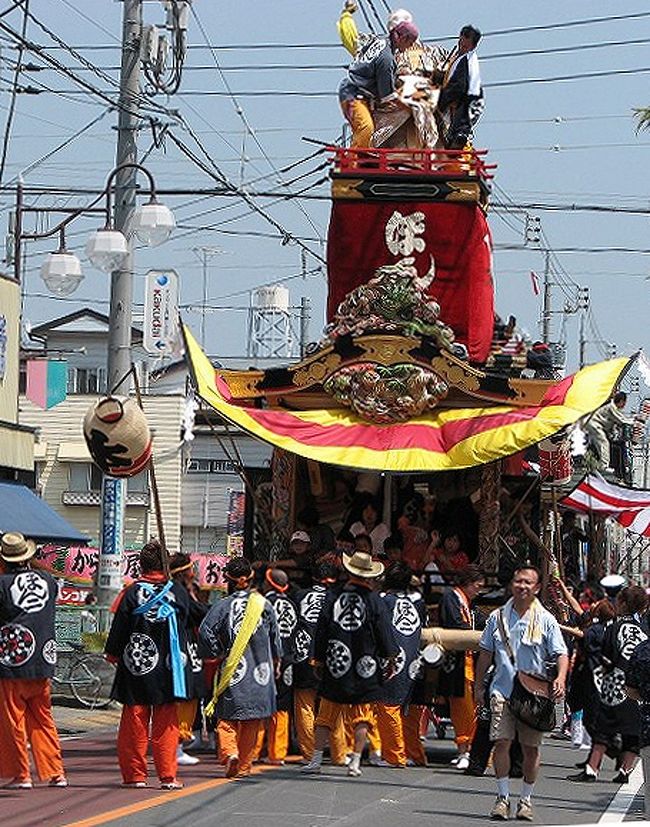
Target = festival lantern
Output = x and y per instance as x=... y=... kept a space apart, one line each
x=118 y=436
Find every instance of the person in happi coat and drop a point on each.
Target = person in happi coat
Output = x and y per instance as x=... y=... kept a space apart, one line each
x=355 y=651
x=277 y=592
x=148 y=644
x=397 y=720
x=242 y=630
x=310 y=603
x=181 y=569
x=456 y=680
x=617 y=715
x=637 y=686
x=461 y=99
x=27 y=659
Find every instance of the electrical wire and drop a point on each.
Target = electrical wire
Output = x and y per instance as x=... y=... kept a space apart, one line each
x=12 y=104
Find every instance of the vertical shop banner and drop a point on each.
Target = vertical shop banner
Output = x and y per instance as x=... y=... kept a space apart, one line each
x=109 y=575
x=160 y=333
x=235 y=523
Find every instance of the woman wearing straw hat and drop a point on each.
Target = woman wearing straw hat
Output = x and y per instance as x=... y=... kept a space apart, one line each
x=355 y=651
x=27 y=659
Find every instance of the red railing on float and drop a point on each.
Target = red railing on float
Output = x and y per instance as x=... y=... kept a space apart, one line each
x=434 y=162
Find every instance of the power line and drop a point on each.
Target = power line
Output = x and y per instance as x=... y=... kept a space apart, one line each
x=14 y=92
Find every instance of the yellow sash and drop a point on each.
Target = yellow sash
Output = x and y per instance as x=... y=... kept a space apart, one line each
x=252 y=615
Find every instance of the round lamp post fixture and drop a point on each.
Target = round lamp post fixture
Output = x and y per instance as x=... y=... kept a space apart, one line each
x=153 y=223
x=107 y=249
x=61 y=270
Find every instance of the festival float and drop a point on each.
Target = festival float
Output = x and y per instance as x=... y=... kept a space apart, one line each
x=404 y=380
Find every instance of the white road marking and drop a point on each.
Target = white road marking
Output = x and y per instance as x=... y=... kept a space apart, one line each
x=622 y=801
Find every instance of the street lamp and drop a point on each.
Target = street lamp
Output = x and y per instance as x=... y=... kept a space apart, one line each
x=108 y=248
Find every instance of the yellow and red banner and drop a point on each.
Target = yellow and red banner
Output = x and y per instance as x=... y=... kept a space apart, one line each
x=442 y=440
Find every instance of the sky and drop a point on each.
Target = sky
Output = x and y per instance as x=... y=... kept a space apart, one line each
x=558 y=143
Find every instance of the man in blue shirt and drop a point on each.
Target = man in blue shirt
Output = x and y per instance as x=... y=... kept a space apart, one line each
x=371 y=80
x=532 y=640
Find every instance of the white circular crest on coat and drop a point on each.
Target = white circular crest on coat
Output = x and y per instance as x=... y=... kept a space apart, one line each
x=29 y=592
x=349 y=611
x=240 y=671
x=415 y=668
x=405 y=617
x=400 y=662
x=262 y=673
x=49 y=651
x=17 y=644
x=311 y=605
x=366 y=666
x=628 y=637
x=141 y=654
x=338 y=658
x=287 y=676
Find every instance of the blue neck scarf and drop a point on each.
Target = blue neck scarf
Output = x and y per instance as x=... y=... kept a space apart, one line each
x=166 y=611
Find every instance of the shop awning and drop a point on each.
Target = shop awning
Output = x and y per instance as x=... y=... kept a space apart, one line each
x=21 y=510
x=628 y=506
x=442 y=440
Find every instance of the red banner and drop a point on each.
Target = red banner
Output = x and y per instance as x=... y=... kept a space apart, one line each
x=364 y=236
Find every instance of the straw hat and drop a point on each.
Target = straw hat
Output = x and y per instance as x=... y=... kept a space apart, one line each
x=15 y=548
x=361 y=564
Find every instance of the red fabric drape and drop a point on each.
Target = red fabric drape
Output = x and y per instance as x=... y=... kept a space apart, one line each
x=456 y=235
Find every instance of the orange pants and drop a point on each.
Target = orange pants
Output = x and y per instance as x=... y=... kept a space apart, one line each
x=411 y=729
x=239 y=738
x=186 y=715
x=359 y=116
x=463 y=717
x=304 y=713
x=26 y=717
x=278 y=742
x=389 y=724
x=133 y=739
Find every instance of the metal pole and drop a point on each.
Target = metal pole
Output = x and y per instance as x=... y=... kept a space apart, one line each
x=204 y=254
x=582 y=342
x=109 y=576
x=546 y=311
x=305 y=315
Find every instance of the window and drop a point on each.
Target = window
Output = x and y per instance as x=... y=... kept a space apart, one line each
x=84 y=476
x=138 y=484
x=87 y=380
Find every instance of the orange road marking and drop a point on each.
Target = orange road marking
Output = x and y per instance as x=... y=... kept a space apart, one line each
x=164 y=798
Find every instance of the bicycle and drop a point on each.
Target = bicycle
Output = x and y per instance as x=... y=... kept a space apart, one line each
x=89 y=676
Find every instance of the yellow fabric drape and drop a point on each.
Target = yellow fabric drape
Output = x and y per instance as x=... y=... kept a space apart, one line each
x=348 y=32
x=252 y=615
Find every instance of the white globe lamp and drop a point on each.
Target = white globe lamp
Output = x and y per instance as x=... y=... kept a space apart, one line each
x=107 y=250
x=61 y=272
x=153 y=223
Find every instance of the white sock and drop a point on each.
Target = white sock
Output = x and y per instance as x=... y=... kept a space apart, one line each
x=317 y=757
x=526 y=790
x=355 y=760
x=503 y=787
x=591 y=771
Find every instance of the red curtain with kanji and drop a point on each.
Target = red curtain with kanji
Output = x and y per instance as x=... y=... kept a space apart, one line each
x=458 y=238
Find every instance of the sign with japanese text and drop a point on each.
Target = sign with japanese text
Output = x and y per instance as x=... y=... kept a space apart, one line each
x=160 y=333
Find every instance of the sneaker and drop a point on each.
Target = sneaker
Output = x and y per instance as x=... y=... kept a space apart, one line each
x=19 y=784
x=463 y=762
x=454 y=761
x=185 y=760
x=134 y=785
x=311 y=768
x=583 y=777
x=524 y=810
x=375 y=759
x=355 y=772
x=58 y=781
x=346 y=761
x=622 y=777
x=232 y=766
x=172 y=784
x=501 y=809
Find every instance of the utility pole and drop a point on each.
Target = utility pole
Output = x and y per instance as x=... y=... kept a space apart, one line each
x=204 y=254
x=546 y=310
x=305 y=315
x=109 y=572
x=582 y=344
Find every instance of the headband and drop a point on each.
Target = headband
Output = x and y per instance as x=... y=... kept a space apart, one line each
x=269 y=579
x=240 y=582
x=178 y=570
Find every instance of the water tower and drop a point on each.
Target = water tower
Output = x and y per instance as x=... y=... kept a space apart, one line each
x=270 y=334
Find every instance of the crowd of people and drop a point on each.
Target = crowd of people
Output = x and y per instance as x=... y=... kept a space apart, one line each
x=329 y=657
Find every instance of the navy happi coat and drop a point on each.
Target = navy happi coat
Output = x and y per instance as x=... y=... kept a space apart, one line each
x=286 y=614
x=27 y=644
x=141 y=646
x=353 y=635
x=407 y=612
x=310 y=603
x=251 y=693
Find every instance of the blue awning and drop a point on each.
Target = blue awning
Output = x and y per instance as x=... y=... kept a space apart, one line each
x=21 y=510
